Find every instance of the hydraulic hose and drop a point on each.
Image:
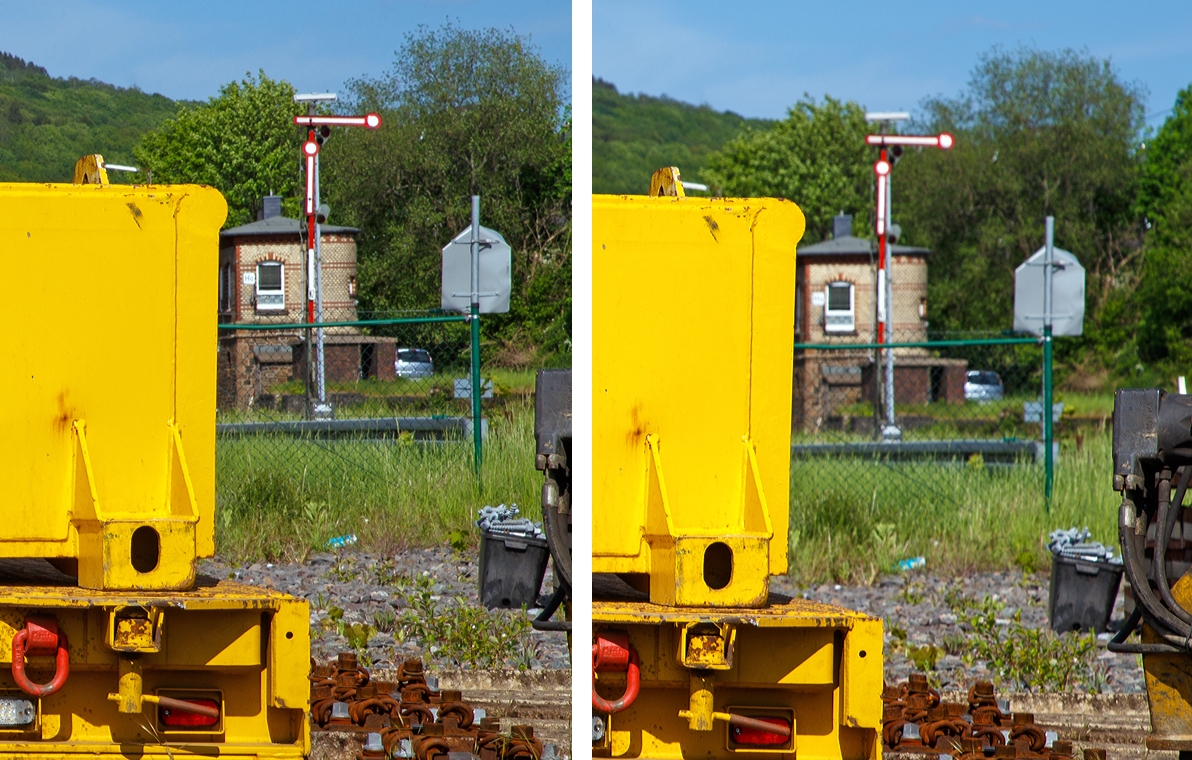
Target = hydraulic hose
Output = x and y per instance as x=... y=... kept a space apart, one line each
x=1165 y=519
x=1163 y=620
x=1118 y=642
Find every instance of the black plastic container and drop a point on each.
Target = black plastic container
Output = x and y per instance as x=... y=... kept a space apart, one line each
x=1082 y=594
x=511 y=570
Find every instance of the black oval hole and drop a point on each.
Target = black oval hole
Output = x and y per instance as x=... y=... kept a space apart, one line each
x=718 y=565
x=145 y=549
x=290 y=635
x=862 y=653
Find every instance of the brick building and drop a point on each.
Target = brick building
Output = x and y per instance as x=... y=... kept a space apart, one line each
x=835 y=304
x=262 y=280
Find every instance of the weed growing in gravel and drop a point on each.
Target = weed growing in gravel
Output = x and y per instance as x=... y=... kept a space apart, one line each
x=1033 y=659
x=385 y=621
x=343 y=570
x=385 y=573
x=356 y=634
x=463 y=635
x=923 y=657
x=913 y=592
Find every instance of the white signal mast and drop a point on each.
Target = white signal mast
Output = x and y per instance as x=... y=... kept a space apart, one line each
x=319 y=128
x=882 y=224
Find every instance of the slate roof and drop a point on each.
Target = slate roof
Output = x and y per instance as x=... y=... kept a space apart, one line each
x=280 y=225
x=850 y=245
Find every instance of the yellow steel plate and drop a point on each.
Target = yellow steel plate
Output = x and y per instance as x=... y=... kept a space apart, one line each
x=119 y=287
x=693 y=307
x=782 y=612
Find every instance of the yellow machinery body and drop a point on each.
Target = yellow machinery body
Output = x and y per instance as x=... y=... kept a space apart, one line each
x=109 y=379
x=107 y=439
x=1169 y=685
x=693 y=314
x=247 y=649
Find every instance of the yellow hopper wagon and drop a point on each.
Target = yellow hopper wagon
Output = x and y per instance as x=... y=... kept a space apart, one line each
x=693 y=656
x=110 y=645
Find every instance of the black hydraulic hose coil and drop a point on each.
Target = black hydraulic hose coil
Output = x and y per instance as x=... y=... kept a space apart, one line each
x=1165 y=622
x=1166 y=517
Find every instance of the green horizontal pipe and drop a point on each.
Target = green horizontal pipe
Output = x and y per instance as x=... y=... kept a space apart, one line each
x=927 y=344
x=361 y=323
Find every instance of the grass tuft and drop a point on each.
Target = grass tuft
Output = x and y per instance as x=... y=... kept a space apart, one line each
x=852 y=521
x=280 y=499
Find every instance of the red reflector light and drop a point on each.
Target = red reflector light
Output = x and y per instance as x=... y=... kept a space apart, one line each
x=756 y=737
x=172 y=717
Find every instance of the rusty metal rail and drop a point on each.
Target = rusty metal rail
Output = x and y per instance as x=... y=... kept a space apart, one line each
x=410 y=717
x=916 y=721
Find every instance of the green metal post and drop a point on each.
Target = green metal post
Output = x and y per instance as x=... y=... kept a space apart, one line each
x=477 y=391
x=1048 y=424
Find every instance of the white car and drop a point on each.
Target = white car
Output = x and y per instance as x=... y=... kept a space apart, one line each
x=982 y=385
x=413 y=363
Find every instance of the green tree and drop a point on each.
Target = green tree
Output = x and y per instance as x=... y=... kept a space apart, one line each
x=465 y=112
x=1165 y=292
x=816 y=157
x=633 y=135
x=48 y=123
x=242 y=142
x=1037 y=133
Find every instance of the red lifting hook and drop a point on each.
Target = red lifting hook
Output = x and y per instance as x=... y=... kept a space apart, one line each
x=611 y=653
x=40 y=636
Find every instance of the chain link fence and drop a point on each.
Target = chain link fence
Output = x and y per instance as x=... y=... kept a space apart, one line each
x=390 y=398
x=963 y=404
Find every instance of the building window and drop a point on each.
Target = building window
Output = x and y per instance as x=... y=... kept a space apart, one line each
x=271 y=294
x=226 y=287
x=839 y=311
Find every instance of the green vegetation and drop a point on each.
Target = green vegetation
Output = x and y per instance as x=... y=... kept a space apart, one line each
x=450 y=631
x=390 y=495
x=1165 y=198
x=961 y=516
x=242 y=142
x=1037 y=133
x=633 y=135
x=1030 y=659
x=466 y=112
x=461 y=634
x=506 y=382
x=48 y=123
x=817 y=155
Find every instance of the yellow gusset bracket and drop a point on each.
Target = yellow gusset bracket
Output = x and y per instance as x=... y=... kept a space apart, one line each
x=752 y=506
x=658 y=518
x=80 y=428
x=191 y=501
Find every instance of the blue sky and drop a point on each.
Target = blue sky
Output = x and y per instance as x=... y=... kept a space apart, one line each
x=185 y=49
x=757 y=58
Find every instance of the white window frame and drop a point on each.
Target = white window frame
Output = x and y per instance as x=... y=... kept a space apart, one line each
x=271 y=300
x=840 y=320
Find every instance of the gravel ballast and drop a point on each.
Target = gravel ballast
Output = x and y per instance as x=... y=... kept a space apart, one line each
x=355 y=583
x=915 y=602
